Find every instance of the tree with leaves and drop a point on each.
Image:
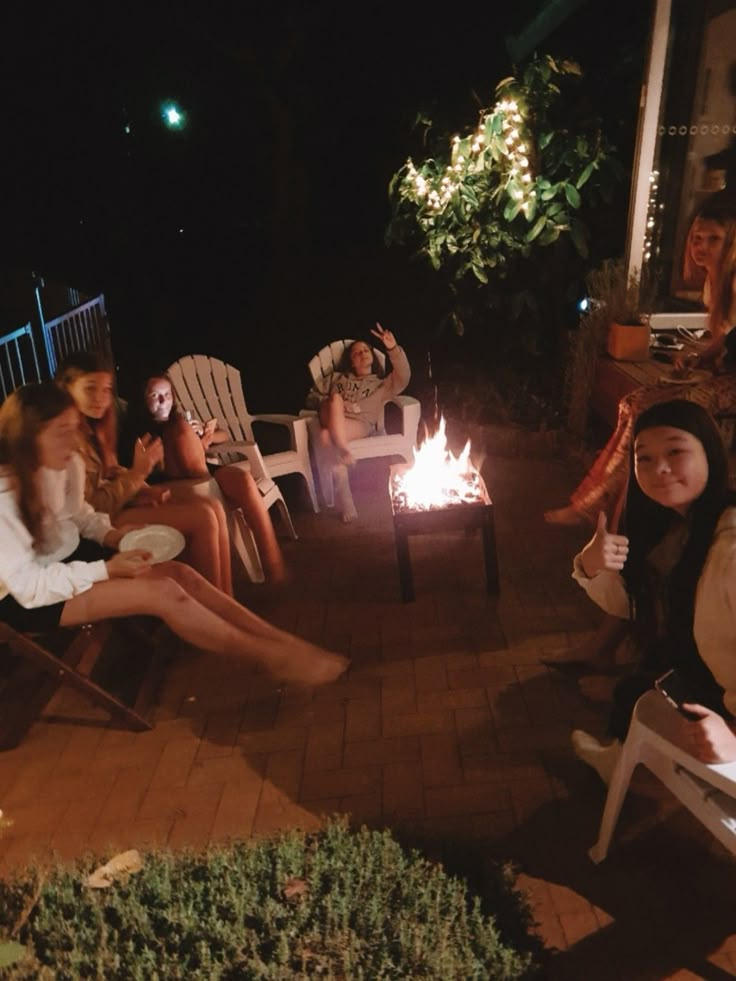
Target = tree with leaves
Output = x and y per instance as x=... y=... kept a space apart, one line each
x=504 y=211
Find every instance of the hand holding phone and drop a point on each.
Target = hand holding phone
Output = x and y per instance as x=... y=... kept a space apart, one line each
x=678 y=692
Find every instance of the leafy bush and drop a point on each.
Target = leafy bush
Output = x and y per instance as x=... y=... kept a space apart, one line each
x=334 y=905
x=504 y=212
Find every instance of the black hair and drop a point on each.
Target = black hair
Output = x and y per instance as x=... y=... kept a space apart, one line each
x=646 y=523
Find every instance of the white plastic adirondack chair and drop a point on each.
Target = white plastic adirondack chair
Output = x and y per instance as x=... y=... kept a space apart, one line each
x=241 y=537
x=707 y=790
x=400 y=444
x=210 y=388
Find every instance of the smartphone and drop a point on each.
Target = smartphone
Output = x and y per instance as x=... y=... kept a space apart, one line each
x=677 y=691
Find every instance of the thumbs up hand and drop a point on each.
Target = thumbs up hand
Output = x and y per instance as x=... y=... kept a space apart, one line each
x=604 y=551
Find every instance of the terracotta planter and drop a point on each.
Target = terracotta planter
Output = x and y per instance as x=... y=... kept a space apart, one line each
x=629 y=342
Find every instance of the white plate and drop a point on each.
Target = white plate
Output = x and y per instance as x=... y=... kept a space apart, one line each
x=162 y=541
x=694 y=378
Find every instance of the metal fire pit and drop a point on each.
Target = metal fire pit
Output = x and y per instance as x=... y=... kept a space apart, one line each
x=463 y=516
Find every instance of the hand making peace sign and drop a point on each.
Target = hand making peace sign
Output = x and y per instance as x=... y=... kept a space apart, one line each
x=385 y=336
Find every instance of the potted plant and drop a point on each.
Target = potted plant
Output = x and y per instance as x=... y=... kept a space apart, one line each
x=625 y=302
x=616 y=320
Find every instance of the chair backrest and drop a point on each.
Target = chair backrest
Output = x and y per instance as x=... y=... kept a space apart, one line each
x=328 y=360
x=212 y=389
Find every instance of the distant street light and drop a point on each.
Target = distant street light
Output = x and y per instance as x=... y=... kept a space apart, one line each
x=173 y=116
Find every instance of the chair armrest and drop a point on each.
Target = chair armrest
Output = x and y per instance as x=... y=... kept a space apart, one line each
x=296 y=426
x=411 y=411
x=243 y=448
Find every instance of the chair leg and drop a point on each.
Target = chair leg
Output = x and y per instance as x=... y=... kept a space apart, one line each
x=312 y=490
x=86 y=646
x=616 y=795
x=245 y=545
x=284 y=512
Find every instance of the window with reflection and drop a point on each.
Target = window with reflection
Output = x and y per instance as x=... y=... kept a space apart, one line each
x=696 y=143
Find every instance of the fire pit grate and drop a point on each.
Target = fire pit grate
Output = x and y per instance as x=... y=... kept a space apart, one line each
x=460 y=514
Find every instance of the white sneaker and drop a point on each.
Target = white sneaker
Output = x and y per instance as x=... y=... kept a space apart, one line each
x=603 y=758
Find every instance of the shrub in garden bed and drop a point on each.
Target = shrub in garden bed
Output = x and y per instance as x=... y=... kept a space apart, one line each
x=335 y=904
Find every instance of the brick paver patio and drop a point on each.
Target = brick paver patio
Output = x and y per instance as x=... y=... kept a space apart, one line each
x=447 y=729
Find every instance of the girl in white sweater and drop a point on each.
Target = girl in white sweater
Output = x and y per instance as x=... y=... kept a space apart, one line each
x=674 y=574
x=59 y=564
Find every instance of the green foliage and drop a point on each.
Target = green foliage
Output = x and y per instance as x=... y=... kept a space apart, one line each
x=514 y=184
x=615 y=297
x=622 y=299
x=330 y=905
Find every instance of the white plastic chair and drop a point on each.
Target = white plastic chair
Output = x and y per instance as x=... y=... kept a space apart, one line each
x=400 y=444
x=210 y=388
x=707 y=790
x=241 y=537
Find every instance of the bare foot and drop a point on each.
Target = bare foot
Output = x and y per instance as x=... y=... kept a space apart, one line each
x=565 y=516
x=308 y=665
x=349 y=513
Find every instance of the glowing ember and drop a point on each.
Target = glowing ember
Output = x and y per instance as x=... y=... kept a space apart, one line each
x=437 y=479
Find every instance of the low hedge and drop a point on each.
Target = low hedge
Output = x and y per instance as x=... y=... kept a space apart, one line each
x=336 y=904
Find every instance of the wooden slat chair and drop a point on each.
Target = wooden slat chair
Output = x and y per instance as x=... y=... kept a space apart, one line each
x=402 y=444
x=42 y=672
x=707 y=790
x=210 y=388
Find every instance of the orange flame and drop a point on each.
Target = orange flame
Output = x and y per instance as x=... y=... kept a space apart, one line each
x=437 y=479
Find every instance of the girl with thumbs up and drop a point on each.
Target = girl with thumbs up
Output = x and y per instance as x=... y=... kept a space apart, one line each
x=673 y=574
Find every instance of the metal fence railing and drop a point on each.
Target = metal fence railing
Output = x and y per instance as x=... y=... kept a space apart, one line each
x=85 y=328
x=18 y=360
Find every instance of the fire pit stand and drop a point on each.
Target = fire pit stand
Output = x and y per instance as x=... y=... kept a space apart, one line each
x=459 y=517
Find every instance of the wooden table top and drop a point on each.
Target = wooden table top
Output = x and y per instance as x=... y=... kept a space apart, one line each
x=615 y=379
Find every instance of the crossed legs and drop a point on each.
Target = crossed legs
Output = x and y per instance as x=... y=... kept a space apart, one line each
x=336 y=433
x=338 y=429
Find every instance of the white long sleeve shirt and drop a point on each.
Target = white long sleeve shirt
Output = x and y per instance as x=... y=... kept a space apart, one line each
x=715 y=604
x=35 y=578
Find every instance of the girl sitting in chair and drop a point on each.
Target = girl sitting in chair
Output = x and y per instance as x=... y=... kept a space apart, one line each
x=59 y=564
x=185 y=447
x=123 y=492
x=352 y=407
x=675 y=569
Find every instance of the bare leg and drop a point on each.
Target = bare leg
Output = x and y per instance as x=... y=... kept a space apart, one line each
x=343 y=493
x=241 y=490
x=194 y=610
x=338 y=429
x=203 y=524
x=598 y=653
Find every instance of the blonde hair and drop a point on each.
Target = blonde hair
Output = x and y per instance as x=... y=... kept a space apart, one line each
x=721 y=209
x=103 y=432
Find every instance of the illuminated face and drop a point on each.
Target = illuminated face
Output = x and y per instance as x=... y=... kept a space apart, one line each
x=57 y=440
x=159 y=398
x=706 y=244
x=671 y=466
x=92 y=393
x=361 y=358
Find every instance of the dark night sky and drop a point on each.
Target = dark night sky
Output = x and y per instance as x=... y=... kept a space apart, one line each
x=297 y=120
